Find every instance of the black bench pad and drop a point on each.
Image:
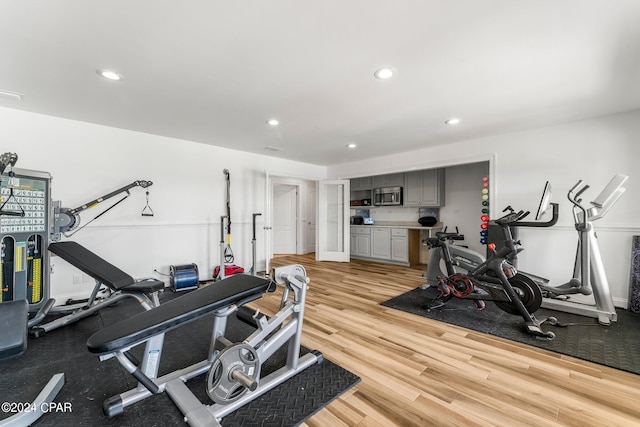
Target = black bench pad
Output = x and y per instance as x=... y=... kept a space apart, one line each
x=145 y=285
x=234 y=289
x=13 y=328
x=89 y=263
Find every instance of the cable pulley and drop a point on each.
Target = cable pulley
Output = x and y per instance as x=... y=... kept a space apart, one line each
x=68 y=219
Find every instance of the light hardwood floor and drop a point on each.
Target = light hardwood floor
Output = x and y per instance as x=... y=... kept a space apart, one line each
x=420 y=372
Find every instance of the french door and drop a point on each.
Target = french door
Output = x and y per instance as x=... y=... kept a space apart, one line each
x=333 y=221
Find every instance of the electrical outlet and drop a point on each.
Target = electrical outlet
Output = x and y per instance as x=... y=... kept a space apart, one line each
x=77 y=279
x=86 y=278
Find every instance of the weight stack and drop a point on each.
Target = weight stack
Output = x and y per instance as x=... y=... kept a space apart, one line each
x=183 y=277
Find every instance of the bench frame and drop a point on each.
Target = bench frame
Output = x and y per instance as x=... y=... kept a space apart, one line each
x=282 y=329
x=111 y=286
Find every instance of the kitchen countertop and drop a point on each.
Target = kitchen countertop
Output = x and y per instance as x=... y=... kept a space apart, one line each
x=401 y=224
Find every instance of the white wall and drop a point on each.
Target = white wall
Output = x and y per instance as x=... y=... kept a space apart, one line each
x=592 y=150
x=187 y=196
x=463 y=202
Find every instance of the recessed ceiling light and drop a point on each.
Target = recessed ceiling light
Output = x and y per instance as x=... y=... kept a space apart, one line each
x=273 y=122
x=352 y=145
x=108 y=74
x=384 y=73
x=453 y=121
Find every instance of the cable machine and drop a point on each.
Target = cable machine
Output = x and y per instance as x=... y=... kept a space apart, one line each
x=24 y=234
x=29 y=221
x=67 y=220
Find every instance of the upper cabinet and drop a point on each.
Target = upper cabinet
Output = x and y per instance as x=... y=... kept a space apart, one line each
x=390 y=180
x=424 y=188
x=358 y=184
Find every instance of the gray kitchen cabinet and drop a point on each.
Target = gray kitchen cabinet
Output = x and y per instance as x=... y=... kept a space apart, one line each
x=424 y=188
x=358 y=184
x=389 y=180
x=386 y=244
x=381 y=243
x=361 y=241
x=360 y=188
x=400 y=244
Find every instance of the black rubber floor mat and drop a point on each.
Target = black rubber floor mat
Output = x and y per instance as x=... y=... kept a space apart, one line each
x=616 y=345
x=88 y=382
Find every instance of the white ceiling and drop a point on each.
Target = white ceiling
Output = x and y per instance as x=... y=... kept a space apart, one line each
x=214 y=71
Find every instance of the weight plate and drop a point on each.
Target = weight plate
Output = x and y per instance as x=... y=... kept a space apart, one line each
x=221 y=386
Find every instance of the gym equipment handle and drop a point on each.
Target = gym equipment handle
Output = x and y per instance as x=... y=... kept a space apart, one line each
x=146 y=381
x=11 y=213
x=244 y=379
x=254 y=224
x=550 y=223
x=126 y=188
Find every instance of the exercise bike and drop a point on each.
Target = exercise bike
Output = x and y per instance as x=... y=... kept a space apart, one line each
x=496 y=279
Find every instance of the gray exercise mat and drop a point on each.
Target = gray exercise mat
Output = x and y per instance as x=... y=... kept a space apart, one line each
x=89 y=382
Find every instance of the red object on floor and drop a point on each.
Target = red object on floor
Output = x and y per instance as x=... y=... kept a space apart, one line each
x=229 y=270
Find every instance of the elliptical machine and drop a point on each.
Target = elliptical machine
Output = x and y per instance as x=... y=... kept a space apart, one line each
x=589 y=276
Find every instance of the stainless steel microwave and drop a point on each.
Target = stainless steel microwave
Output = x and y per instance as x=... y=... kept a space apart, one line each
x=387 y=196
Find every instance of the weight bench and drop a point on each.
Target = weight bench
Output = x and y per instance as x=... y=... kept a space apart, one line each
x=109 y=278
x=13 y=343
x=233 y=377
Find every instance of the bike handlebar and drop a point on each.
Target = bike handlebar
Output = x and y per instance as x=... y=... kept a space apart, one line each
x=449 y=236
x=512 y=218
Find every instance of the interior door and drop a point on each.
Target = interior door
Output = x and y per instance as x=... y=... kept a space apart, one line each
x=285 y=219
x=310 y=205
x=333 y=221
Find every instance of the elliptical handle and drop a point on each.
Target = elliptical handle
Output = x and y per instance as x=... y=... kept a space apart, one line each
x=573 y=195
x=579 y=183
x=585 y=188
x=573 y=198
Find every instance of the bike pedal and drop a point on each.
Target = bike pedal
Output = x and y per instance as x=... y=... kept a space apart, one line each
x=442 y=287
x=480 y=305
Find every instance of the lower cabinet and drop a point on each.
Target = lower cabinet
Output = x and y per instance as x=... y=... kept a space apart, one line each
x=363 y=245
x=381 y=243
x=361 y=241
x=400 y=244
x=396 y=245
